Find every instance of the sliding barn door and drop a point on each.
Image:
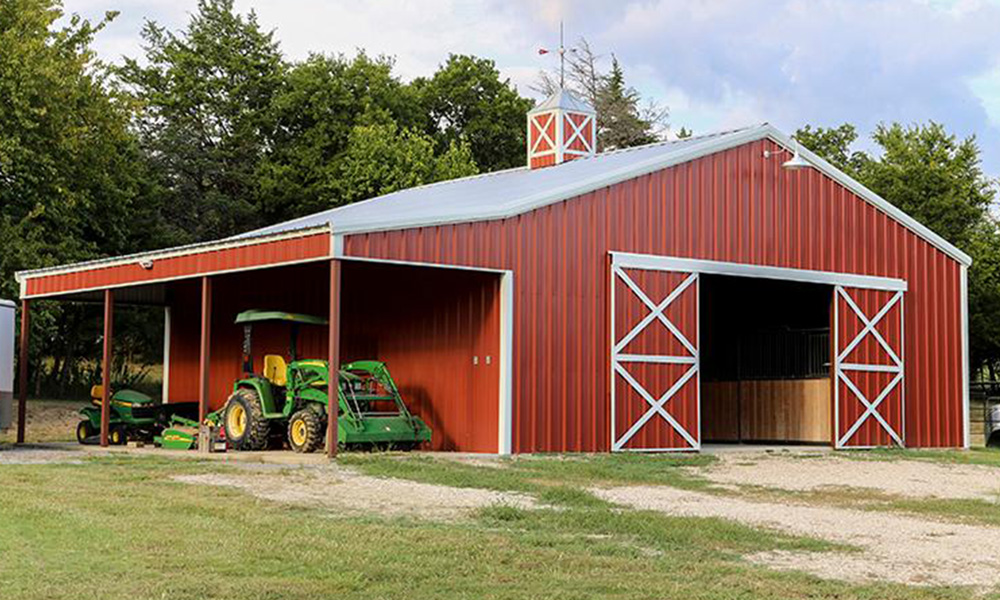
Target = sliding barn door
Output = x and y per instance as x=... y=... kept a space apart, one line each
x=654 y=359
x=868 y=368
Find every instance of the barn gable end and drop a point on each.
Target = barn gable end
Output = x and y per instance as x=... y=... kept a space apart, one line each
x=733 y=206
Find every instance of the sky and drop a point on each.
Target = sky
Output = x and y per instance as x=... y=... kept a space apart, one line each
x=716 y=64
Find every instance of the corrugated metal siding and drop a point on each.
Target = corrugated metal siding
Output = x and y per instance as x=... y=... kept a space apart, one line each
x=188 y=265
x=731 y=206
x=427 y=324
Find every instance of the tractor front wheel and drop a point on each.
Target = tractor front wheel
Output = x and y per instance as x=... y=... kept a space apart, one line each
x=305 y=431
x=244 y=422
x=117 y=436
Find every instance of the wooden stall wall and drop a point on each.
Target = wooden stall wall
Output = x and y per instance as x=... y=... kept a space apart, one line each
x=790 y=410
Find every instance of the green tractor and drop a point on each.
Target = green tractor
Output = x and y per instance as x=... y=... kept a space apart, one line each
x=291 y=398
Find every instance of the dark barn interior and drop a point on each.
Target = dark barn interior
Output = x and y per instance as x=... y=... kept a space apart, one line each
x=765 y=360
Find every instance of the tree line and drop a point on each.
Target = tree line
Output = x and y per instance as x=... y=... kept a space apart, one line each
x=209 y=132
x=212 y=131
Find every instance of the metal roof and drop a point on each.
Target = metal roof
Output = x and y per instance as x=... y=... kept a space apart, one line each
x=504 y=194
x=565 y=100
x=491 y=195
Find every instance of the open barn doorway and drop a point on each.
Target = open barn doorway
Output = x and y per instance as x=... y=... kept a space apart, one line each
x=765 y=361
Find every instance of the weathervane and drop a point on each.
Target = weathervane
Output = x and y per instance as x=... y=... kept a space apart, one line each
x=562 y=57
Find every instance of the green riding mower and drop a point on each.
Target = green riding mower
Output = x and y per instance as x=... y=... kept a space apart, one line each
x=290 y=399
x=134 y=416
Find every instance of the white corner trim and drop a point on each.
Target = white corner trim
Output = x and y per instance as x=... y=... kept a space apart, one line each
x=671 y=263
x=336 y=244
x=964 y=315
x=505 y=444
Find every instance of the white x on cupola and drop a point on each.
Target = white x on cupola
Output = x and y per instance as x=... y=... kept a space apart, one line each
x=560 y=129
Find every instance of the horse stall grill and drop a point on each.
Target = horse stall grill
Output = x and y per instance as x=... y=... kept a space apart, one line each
x=648 y=299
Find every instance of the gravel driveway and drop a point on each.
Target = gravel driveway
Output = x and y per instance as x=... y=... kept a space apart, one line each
x=807 y=472
x=903 y=548
x=349 y=492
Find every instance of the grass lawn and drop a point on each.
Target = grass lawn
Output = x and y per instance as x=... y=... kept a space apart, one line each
x=120 y=527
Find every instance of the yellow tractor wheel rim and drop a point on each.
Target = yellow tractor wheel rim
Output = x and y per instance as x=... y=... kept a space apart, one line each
x=236 y=421
x=299 y=433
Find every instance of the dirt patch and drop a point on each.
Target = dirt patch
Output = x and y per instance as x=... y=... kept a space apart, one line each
x=892 y=547
x=11 y=455
x=477 y=461
x=348 y=492
x=909 y=478
x=47 y=421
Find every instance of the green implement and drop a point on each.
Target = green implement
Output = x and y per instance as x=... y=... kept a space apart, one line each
x=289 y=399
x=182 y=432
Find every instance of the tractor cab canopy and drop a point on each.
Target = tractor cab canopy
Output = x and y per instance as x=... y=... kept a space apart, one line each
x=275 y=368
x=257 y=316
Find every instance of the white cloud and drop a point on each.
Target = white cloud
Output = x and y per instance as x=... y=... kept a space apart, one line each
x=717 y=63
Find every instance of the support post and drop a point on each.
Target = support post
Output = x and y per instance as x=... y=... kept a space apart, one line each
x=22 y=380
x=204 y=360
x=333 y=391
x=109 y=321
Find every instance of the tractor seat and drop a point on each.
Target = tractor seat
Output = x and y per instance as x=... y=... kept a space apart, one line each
x=275 y=369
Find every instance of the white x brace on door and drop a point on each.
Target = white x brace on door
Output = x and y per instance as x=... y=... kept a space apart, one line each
x=655 y=385
x=868 y=367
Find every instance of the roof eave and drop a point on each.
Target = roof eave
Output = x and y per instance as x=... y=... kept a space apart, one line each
x=22 y=276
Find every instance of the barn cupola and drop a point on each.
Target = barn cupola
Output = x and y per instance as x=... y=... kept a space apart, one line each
x=560 y=129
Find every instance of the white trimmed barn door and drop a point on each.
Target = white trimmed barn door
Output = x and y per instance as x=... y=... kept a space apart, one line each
x=868 y=368
x=655 y=376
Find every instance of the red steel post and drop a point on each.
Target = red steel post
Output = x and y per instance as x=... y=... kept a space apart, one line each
x=22 y=383
x=333 y=360
x=206 y=348
x=109 y=319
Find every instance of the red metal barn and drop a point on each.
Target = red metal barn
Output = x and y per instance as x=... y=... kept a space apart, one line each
x=654 y=298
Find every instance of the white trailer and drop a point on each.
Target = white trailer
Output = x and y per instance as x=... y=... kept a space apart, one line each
x=7 y=310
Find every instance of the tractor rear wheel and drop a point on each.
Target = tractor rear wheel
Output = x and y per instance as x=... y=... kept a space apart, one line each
x=244 y=422
x=84 y=430
x=305 y=431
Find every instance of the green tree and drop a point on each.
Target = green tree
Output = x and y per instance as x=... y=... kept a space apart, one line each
x=984 y=297
x=466 y=100
x=324 y=98
x=205 y=95
x=619 y=122
x=835 y=145
x=623 y=118
x=381 y=159
x=938 y=179
x=70 y=170
x=932 y=176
